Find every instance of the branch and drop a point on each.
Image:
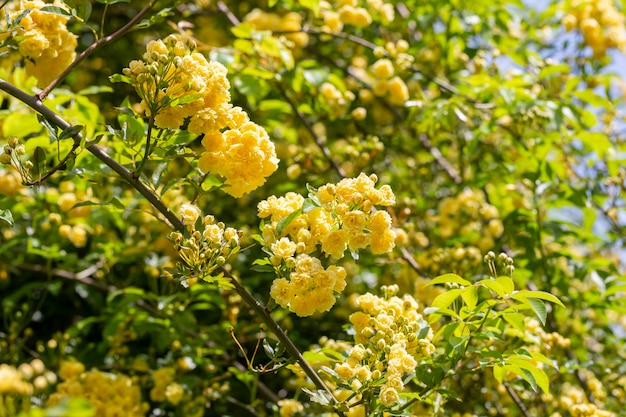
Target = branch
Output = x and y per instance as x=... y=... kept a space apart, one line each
x=84 y=276
x=309 y=129
x=406 y=255
x=176 y=223
x=96 y=45
x=231 y=17
x=516 y=399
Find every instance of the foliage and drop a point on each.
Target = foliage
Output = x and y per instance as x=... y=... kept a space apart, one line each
x=292 y=208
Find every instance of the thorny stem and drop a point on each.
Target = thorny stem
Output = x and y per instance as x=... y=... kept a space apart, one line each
x=176 y=223
x=96 y=45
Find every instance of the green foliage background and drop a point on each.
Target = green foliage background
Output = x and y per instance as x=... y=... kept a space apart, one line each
x=511 y=140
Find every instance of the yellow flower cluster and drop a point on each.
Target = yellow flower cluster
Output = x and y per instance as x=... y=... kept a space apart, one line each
x=349 y=12
x=165 y=388
x=386 y=84
x=469 y=215
x=601 y=24
x=335 y=218
x=289 y=407
x=204 y=250
x=176 y=85
x=574 y=400
x=110 y=394
x=549 y=340
x=76 y=234
x=339 y=217
x=391 y=337
x=12 y=381
x=44 y=41
x=289 y=22
x=10 y=182
x=310 y=288
x=244 y=155
x=338 y=101
x=458 y=259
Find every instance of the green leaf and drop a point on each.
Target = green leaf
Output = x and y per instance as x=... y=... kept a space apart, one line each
x=449 y=279
x=7 y=216
x=507 y=284
x=80 y=8
x=95 y=89
x=445 y=299
x=319 y=396
x=516 y=320
x=71 y=131
x=211 y=182
x=589 y=97
x=52 y=129
x=243 y=30
x=539 y=308
x=285 y=222
x=119 y=78
x=39 y=161
x=553 y=69
x=542 y=295
x=470 y=296
x=499 y=372
x=310 y=204
x=588 y=119
x=534 y=375
x=313 y=5
x=56 y=10
x=494 y=286
x=596 y=141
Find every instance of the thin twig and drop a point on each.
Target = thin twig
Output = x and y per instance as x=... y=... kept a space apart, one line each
x=443 y=162
x=309 y=129
x=517 y=400
x=83 y=277
x=58 y=166
x=413 y=263
x=106 y=40
x=231 y=17
x=176 y=223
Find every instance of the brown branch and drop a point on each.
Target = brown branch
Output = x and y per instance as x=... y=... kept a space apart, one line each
x=222 y=7
x=94 y=46
x=441 y=160
x=517 y=400
x=406 y=255
x=309 y=129
x=83 y=277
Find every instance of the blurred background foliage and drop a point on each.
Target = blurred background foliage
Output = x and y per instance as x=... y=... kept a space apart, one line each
x=496 y=124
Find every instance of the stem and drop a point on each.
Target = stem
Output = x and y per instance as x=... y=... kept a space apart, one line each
x=56 y=168
x=176 y=223
x=309 y=129
x=146 y=155
x=517 y=400
x=96 y=45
